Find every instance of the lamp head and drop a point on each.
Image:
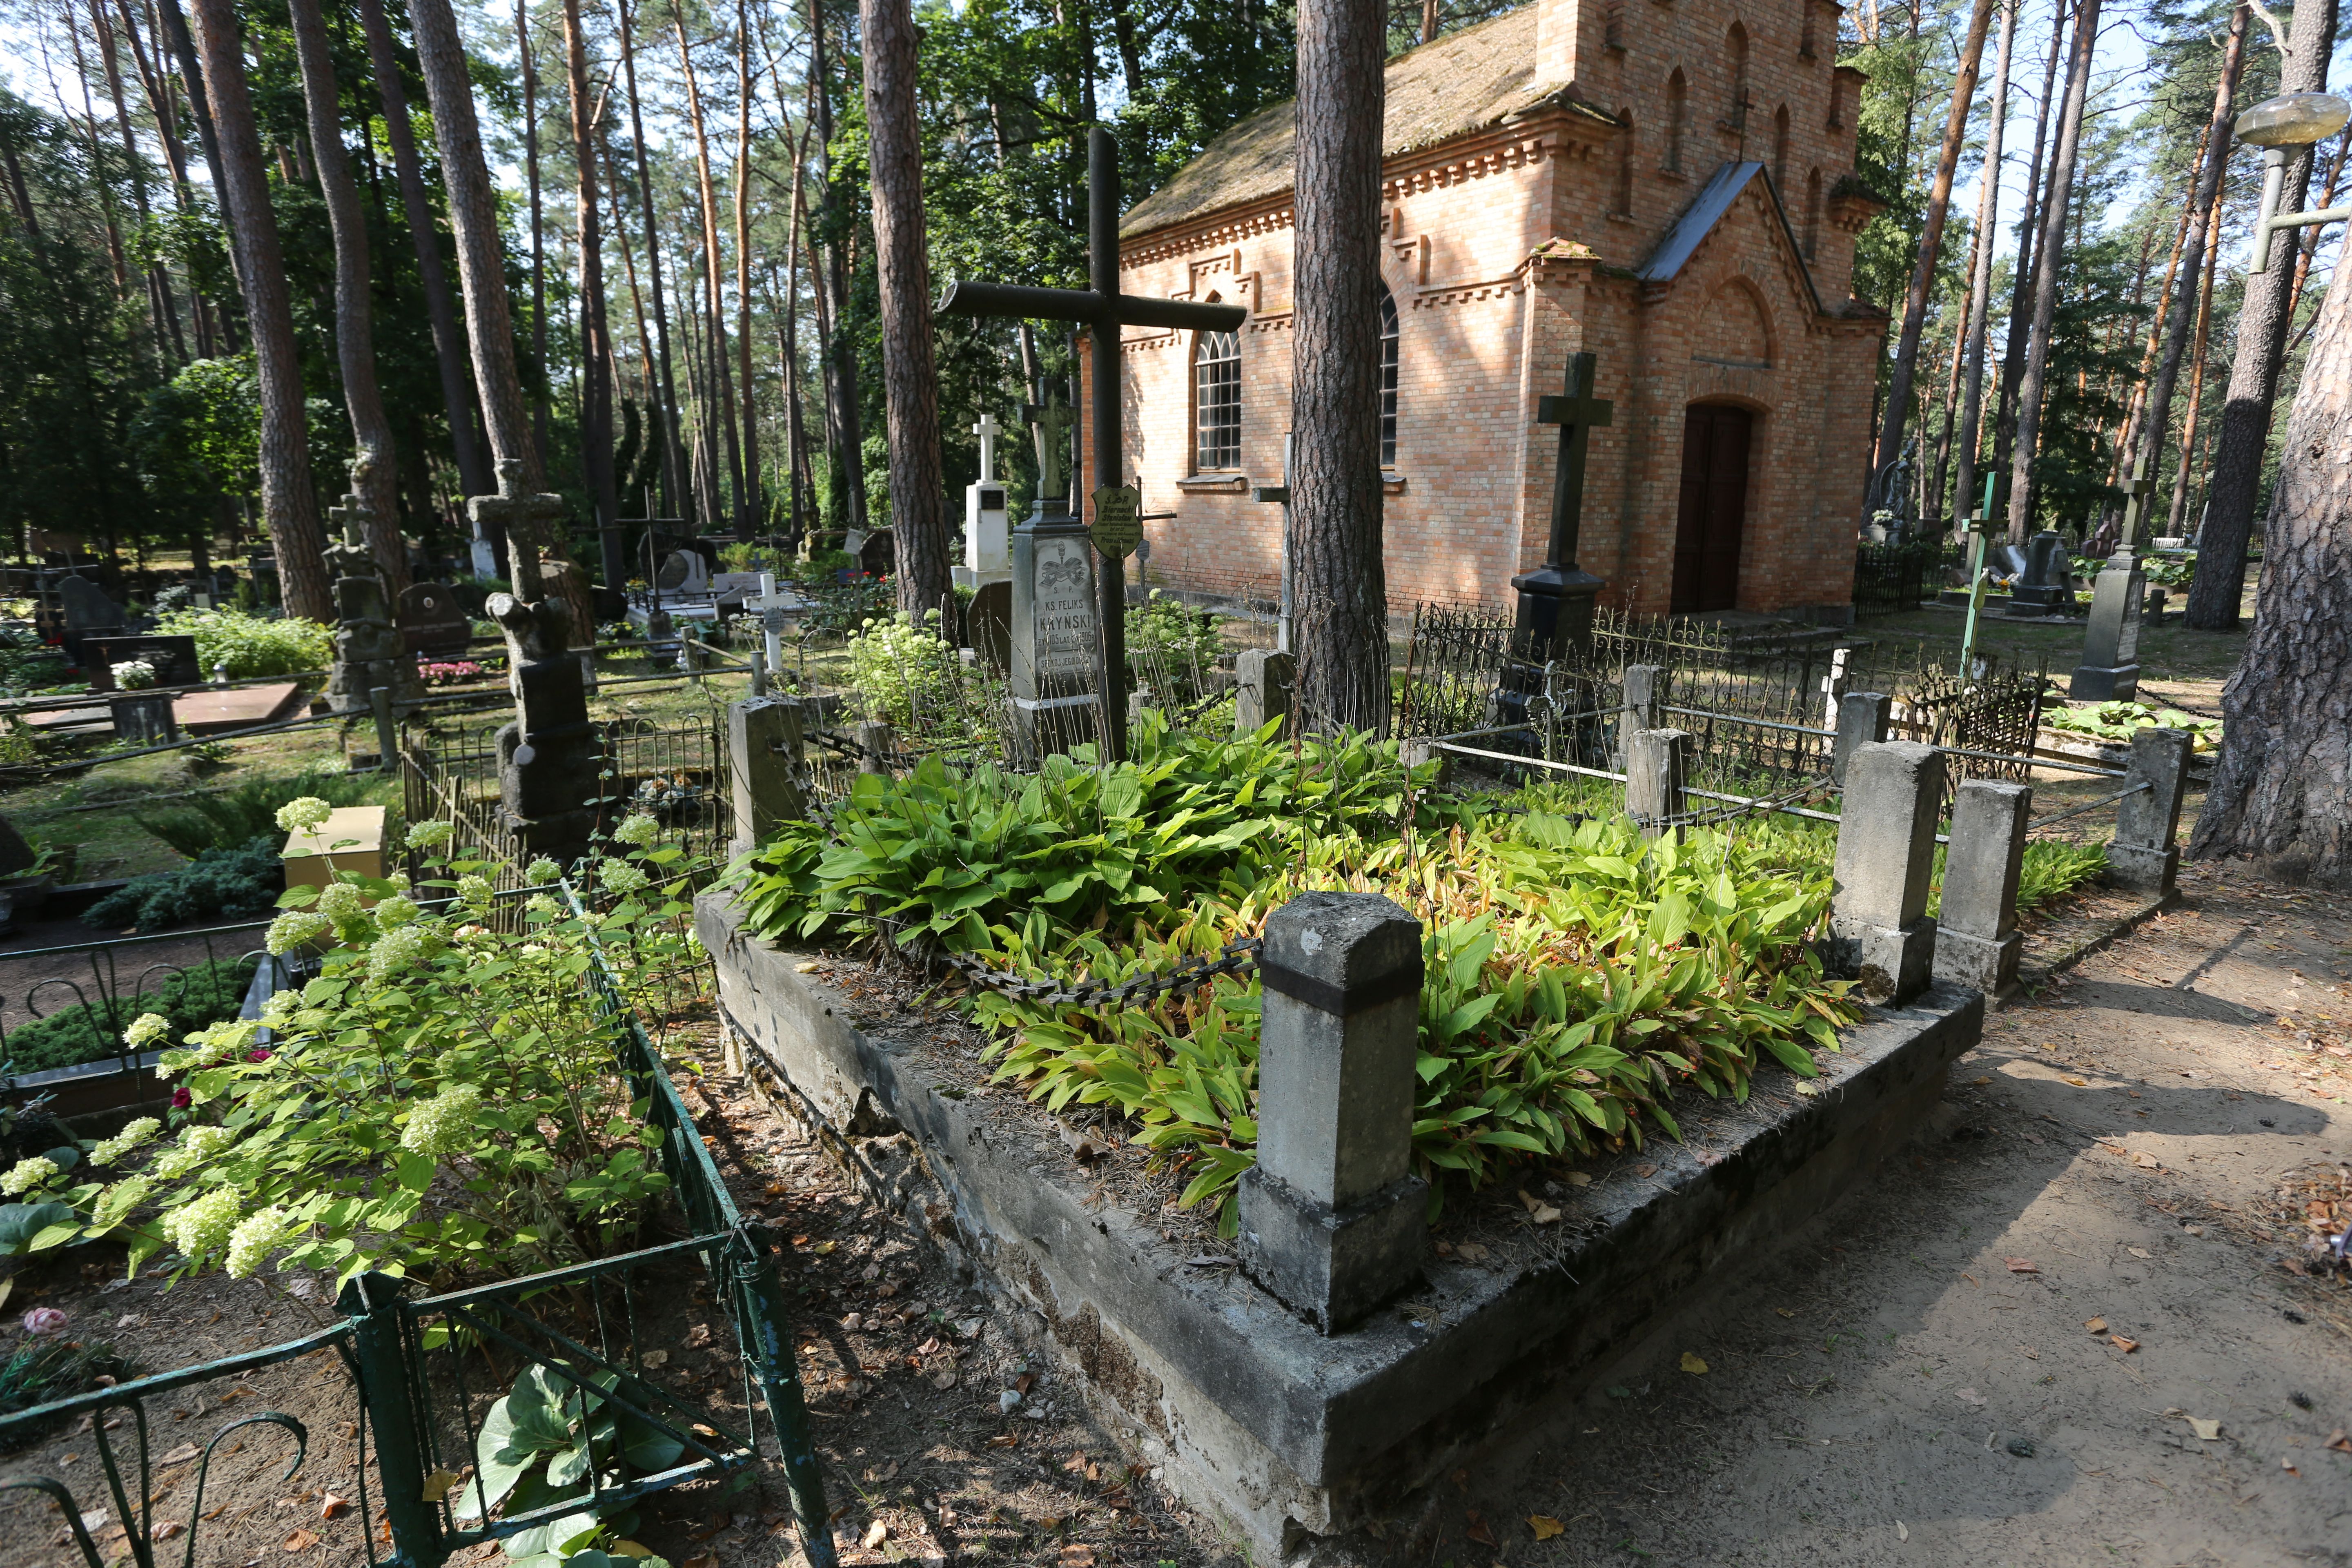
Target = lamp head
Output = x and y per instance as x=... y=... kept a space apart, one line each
x=2295 y=120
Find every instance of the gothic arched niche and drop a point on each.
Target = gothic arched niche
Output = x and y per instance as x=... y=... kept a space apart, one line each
x=1735 y=329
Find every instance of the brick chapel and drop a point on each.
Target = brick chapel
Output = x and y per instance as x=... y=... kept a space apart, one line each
x=1667 y=184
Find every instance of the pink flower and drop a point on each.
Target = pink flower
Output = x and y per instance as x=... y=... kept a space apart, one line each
x=44 y=1321
x=259 y=1054
x=181 y=1098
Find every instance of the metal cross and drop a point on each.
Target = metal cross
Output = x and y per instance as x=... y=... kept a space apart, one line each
x=1103 y=311
x=1558 y=596
x=988 y=430
x=512 y=506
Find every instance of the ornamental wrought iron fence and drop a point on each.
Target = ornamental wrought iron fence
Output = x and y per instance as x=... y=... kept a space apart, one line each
x=78 y=997
x=581 y=1333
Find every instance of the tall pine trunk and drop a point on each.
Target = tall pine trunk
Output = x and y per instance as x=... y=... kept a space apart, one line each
x=2046 y=260
x=751 y=517
x=596 y=327
x=288 y=507
x=2029 y=227
x=844 y=433
x=2282 y=788
x=1964 y=475
x=2176 y=519
x=440 y=309
x=1340 y=592
x=355 y=323
x=721 y=381
x=673 y=443
x=903 y=278
x=538 y=229
x=1931 y=245
x=2235 y=485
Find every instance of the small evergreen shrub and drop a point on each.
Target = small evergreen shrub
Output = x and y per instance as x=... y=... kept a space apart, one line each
x=238 y=884
x=82 y=1033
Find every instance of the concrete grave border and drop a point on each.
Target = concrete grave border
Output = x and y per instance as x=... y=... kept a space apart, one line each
x=1287 y=1433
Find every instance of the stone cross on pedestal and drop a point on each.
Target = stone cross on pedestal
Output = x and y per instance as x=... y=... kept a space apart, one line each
x=549 y=761
x=1050 y=423
x=367 y=650
x=1103 y=311
x=2135 y=494
x=513 y=506
x=1556 y=598
x=2110 y=669
x=988 y=430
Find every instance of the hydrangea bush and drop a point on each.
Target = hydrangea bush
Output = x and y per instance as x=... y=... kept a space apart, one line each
x=441 y=1100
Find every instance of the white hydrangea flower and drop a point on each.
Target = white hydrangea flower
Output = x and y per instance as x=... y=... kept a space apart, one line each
x=397 y=949
x=257 y=1236
x=229 y=1037
x=296 y=928
x=145 y=1030
x=278 y=1011
x=203 y=1224
x=638 y=829
x=197 y=1144
x=340 y=902
x=301 y=815
x=132 y=1135
x=620 y=876
x=544 y=906
x=396 y=912
x=444 y=1125
x=430 y=835
x=32 y=1172
x=542 y=871
x=475 y=891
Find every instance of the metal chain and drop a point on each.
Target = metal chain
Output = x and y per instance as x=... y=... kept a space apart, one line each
x=1236 y=957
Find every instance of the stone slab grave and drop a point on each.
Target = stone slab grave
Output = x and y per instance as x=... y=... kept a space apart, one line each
x=173 y=658
x=1303 y=1387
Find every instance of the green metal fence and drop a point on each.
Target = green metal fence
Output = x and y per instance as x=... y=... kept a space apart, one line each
x=573 y=1334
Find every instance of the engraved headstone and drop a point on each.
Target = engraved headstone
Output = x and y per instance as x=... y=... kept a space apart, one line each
x=2046 y=588
x=683 y=571
x=85 y=612
x=432 y=621
x=2110 y=669
x=1055 y=656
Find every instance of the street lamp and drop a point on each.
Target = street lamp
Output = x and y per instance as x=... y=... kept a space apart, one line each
x=2279 y=126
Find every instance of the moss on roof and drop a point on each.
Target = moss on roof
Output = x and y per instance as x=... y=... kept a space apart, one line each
x=1463 y=82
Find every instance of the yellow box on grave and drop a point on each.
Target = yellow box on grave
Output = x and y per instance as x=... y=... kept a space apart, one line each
x=352 y=836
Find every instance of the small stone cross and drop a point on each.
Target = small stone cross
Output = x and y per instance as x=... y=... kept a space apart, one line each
x=771 y=606
x=988 y=430
x=519 y=513
x=2135 y=496
x=354 y=515
x=1050 y=423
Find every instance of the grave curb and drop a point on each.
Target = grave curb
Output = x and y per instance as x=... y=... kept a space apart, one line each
x=1287 y=1434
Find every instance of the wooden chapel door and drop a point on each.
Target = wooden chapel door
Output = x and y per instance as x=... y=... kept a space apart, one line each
x=1714 y=512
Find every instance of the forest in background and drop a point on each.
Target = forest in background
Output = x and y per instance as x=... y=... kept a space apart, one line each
x=720 y=257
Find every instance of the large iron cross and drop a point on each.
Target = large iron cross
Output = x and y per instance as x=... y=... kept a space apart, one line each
x=1556 y=598
x=1103 y=311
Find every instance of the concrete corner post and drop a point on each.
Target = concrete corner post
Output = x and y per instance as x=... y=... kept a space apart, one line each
x=876 y=744
x=1644 y=695
x=1862 y=720
x=1879 y=930
x=1262 y=683
x=763 y=766
x=1657 y=767
x=1976 y=938
x=1332 y=1216
x=2145 y=854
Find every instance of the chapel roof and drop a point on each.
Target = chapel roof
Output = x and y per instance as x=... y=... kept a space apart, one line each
x=1462 y=82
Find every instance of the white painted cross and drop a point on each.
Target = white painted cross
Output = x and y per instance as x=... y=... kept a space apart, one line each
x=988 y=429
x=771 y=606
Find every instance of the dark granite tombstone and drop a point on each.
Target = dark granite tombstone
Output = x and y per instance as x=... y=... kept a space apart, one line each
x=878 y=555
x=430 y=620
x=682 y=572
x=172 y=657
x=2046 y=588
x=85 y=612
x=989 y=619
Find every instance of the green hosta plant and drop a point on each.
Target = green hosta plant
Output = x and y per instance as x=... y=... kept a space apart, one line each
x=253 y=645
x=540 y=1446
x=2118 y=720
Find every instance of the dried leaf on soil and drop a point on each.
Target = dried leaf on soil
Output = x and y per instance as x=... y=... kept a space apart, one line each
x=1544 y=1526
x=2020 y=1266
x=1692 y=1364
x=2207 y=1431
x=301 y=1541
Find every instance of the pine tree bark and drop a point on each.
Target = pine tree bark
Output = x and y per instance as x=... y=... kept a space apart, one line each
x=750 y=518
x=1964 y=476
x=2176 y=519
x=355 y=323
x=2282 y=788
x=440 y=309
x=903 y=280
x=543 y=388
x=2021 y=299
x=2157 y=422
x=595 y=325
x=672 y=439
x=164 y=317
x=714 y=322
x=2046 y=259
x=1931 y=244
x=288 y=507
x=1339 y=592
x=473 y=221
x=844 y=434
x=2234 y=488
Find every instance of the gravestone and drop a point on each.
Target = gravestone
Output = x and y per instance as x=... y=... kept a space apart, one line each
x=2110 y=669
x=368 y=652
x=2009 y=561
x=683 y=571
x=143 y=718
x=987 y=536
x=989 y=621
x=430 y=620
x=1055 y=658
x=549 y=759
x=86 y=613
x=174 y=656
x=878 y=553
x=2046 y=588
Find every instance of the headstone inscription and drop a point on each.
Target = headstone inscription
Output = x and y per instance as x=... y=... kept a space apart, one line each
x=987 y=536
x=368 y=652
x=430 y=620
x=1052 y=626
x=548 y=756
x=172 y=657
x=1103 y=311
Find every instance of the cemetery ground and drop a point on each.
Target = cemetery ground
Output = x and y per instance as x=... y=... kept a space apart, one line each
x=2131 y=1148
